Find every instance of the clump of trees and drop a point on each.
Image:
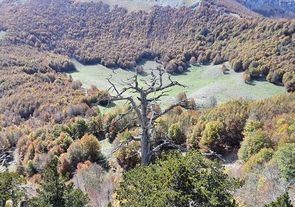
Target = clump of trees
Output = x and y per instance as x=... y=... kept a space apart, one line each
x=262 y=47
x=177 y=180
x=54 y=190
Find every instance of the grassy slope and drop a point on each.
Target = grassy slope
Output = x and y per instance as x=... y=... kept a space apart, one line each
x=146 y=5
x=201 y=82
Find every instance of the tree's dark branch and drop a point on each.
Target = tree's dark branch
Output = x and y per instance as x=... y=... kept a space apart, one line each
x=214 y=154
x=161 y=87
x=162 y=94
x=168 y=143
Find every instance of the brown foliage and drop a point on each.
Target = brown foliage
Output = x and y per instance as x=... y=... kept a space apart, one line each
x=175 y=36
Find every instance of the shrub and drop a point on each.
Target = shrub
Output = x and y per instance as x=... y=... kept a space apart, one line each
x=91 y=148
x=212 y=133
x=64 y=166
x=263 y=156
x=64 y=141
x=128 y=156
x=238 y=66
x=252 y=143
x=251 y=126
x=285 y=157
x=77 y=129
x=88 y=148
x=175 y=133
x=246 y=77
x=76 y=153
x=95 y=127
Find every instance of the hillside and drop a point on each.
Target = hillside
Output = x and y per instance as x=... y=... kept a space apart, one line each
x=96 y=33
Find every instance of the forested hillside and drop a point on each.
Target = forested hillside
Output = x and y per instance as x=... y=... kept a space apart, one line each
x=96 y=33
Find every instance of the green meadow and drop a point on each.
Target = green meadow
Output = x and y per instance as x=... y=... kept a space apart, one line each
x=200 y=82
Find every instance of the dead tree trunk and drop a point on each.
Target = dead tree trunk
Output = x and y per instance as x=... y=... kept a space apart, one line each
x=147 y=95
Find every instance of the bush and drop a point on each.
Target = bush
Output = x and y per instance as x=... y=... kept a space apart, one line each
x=263 y=156
x=252 y=143
x=91 y=148
x=128 y=156
x=212 y=133
x=88 y=148
x=95 y=127
x=77 y=129
x=238 y=66
x=76 y=153
x=285 y=157
x=175 y=133
x=64 y=141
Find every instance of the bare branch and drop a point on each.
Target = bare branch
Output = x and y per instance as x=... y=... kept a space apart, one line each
x=168 y=143
x=161 y=88
x=162 y=94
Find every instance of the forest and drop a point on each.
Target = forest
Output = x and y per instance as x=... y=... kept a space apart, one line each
x=97 y=33
x=60 y=148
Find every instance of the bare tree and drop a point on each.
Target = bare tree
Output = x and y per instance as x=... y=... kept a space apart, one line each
x=142 y=96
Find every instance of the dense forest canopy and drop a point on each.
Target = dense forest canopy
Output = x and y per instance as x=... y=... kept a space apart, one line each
x=96 y=33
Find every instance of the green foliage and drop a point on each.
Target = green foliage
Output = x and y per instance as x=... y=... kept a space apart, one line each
x=10 y=188
x=55 y=192
x=64 y=141
x=78 y=129
x=175 y=133
x=212 y=133
x=95 y=127
x=251 y=126
x=282 y=201
x=263 y=156
x=177 y=180
x=252 y=143
x=285 y=157
x=221 y=128
x=91 y=148
x=31 y=168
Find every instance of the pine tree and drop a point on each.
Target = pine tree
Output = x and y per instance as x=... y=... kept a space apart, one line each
x=10 y=188
x=54 y=191
x=178 y=180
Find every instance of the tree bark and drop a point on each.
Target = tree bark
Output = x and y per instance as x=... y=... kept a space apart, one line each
x=145 y=143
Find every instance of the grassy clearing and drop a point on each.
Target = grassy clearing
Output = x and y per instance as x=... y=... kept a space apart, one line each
x=201 y=82
x=147 y=5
